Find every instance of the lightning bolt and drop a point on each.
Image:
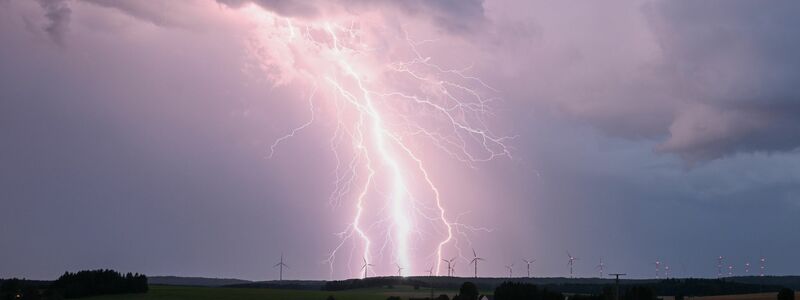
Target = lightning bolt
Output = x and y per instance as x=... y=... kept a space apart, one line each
x=385 y=109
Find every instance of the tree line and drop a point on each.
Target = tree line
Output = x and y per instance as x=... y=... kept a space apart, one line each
x=75 y=285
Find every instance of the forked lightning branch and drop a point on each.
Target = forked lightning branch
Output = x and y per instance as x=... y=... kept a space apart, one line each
x=390 y=104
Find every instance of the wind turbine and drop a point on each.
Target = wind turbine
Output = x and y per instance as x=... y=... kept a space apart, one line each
x=280 y=265
x=571 y=263
x=454 y=269
x=601 y=267
x=747 y=268
x=763 y=265
x=475 y=260
x=510 y=270
x=720 y=259
x=399 y=270
x=666 y=271
x=658 y=268
x=430 y=277
x=528 y=263
x=366 y=266
x=449 y=264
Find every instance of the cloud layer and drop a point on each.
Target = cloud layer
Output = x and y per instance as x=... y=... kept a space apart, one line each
x=58 y=15
x=705 y=80
x=713 y=79
x=144 y=134
x=452 y=15
x=734 y=68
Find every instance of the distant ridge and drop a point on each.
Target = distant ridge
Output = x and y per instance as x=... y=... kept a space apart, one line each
x=194 y=281
x=792 y=282
x=313 y=285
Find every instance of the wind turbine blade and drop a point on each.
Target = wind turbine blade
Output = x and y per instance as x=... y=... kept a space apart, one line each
x=473 y=253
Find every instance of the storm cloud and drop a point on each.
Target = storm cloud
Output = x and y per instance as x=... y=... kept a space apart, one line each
x=58 y=15
x=141 y=143
x=453 y=15
x=720 y=83
x=706 y=80
x=736 y=66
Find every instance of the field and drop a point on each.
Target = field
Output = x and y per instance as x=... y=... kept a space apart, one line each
x=764 y=296
x=206 y=293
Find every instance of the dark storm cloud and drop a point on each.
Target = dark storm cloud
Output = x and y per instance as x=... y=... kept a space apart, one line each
x=151 y=11
x=58 y=15
x=706 y=80
x=452 y=15
x=283 y=7
x=723 y=84
x=736 y=64
x=142 y=148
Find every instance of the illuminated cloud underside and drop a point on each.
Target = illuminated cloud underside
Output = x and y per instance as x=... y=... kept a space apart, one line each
x=385 y=102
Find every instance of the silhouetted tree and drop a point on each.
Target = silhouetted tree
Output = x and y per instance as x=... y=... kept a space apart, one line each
x=98 y=282
x=523 y=291
x=330 y=297
x=468 y=291
x=10 y=288
x=20 y=289
x=786 y=294
x=640 y=293
x=443 y=297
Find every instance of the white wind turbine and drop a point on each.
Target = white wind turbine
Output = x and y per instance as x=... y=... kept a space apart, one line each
x=529 y=263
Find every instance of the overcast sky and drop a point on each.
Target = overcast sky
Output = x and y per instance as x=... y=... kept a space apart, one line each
x=136 y=135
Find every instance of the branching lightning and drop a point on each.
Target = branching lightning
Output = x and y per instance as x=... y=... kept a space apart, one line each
x=386 y=110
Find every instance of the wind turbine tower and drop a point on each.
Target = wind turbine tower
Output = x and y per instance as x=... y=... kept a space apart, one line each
x=571 y=264
x=720 y=260
x=449 y=264
x=399 y=270
x=280 y=265
x=510 y=270
x=366 y=266
x=475 y=260
x=763 y=265
x=528 y=263
x=747 y=268
x=601 y=267
x=658 y=268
